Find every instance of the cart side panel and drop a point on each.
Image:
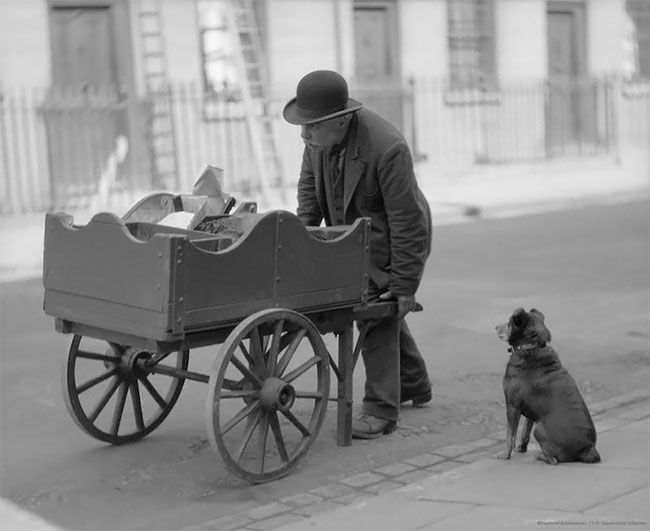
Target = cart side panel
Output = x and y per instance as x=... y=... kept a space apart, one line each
x=231 y=284
x=277 y=262
x=100 y=272
x=316 y=273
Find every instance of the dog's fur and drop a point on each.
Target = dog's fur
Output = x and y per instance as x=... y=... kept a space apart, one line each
x=537 y=386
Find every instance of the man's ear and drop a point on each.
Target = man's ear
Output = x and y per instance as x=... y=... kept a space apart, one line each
x=344 y=120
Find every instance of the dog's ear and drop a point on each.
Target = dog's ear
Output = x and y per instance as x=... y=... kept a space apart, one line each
x=535 y=310
x=519 y=318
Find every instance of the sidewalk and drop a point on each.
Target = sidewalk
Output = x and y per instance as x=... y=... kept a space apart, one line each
x=490 y=191
x=465 y=487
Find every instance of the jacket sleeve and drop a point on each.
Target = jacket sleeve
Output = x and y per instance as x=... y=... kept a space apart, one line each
x=407 y=220
x=308 y=210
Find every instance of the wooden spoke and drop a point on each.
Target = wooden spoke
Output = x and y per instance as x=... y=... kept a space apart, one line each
x=104 y=400
x=137 y=405
x=251 y=424
x=241 y=415
x=152 y=391
x=100 y=357
x=292 y=418
x=302 y=369
x=262 y=434
x=256 y=349
x=277 y=435
x=246 y=372
x=275 y=347
x=309 y=394
x=288 y=355
x=119 y=410
x=97 y=380
x=253 y=393
x=248 y=356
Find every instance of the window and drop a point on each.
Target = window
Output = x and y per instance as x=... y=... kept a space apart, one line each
x=220 y=78
x=470 y=27
x=637 y=43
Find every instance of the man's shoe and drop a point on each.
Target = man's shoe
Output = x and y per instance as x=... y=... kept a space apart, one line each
x=369 y=427
x=419 y=399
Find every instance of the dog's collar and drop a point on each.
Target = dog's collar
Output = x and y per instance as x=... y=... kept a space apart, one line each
x=523 y=346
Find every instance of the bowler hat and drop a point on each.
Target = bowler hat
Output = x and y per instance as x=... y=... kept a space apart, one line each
x=320 y=95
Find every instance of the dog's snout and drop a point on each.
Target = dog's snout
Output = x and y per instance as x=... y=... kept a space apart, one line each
x=502 y=331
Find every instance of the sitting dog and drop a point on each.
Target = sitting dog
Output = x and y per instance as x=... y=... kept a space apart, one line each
x=537 y=386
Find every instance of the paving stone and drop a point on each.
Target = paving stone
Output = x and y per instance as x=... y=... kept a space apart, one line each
x=641 y=426
x=635 y=413
x=378 y=514
x=382 y=486
x=299 y=500
x=610 y=423
x=394 y=469
x=334 y=490
x=424 y=460
x=268 y=510
x=632 y=507
x=482 y=443
x=506 y=517
x=276 y=521
x=498 y=435
x=443 y=467
x=453 y=450
x=562 y=488
x=362 y=480
x=412 y=477
x=475 y=456
x=310 y=510
x=351 y=498
x=636 y=444
x=226 y=523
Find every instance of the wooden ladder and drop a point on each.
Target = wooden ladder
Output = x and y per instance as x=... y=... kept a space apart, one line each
x=253 y=75
x=160 y=138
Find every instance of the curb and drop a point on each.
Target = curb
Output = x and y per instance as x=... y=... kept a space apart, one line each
x=359 y=487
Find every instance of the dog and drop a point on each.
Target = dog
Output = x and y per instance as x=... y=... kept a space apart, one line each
x=537 y=386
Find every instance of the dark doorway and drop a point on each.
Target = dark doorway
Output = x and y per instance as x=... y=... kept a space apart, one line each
x=377 y=73
x=86 y=109
x=571 y=97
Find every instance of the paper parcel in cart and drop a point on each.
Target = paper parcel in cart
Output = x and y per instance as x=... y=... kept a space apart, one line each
x=207 y=199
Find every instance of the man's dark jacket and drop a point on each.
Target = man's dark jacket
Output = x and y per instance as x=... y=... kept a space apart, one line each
x=378 y=183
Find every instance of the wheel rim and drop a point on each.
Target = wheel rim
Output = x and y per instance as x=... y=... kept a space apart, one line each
x=268 y=394
x=98 y=382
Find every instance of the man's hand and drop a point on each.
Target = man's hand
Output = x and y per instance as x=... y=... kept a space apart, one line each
x=405 y=303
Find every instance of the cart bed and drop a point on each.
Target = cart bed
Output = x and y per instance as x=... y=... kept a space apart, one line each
x=157 y=282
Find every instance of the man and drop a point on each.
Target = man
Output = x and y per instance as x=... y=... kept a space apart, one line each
x=355 y=164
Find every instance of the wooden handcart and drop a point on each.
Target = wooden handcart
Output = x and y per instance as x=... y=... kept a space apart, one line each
x=139 y=296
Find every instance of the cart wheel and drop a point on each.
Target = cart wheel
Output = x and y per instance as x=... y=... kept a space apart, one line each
x=97 y=382
x=262 y=382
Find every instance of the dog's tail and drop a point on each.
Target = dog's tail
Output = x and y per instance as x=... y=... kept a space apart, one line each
x=590 y=455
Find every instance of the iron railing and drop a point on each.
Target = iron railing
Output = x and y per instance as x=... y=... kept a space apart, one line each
x=62 y=151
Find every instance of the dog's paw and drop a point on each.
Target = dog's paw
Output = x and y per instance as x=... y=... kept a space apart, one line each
x=541 y=456
x=503 y=455
x=521 y=448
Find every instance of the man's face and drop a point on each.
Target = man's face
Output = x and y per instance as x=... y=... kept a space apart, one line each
x=323 y=135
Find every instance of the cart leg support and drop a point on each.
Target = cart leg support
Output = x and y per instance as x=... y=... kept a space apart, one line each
x=344 y=408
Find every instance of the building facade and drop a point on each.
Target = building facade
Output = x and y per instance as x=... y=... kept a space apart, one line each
x=109 y=95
